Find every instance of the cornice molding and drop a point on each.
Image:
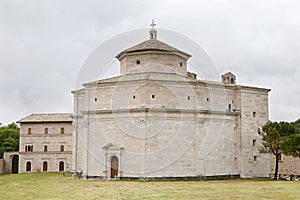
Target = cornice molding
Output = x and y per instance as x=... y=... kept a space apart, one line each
x=162 y=109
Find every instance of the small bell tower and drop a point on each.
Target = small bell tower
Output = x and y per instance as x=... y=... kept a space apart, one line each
x=152 y=31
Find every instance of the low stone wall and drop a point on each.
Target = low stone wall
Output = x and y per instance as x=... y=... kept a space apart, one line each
x=287 y=165
x=1 y=166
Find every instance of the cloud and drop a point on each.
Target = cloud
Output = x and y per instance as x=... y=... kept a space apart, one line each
x=44 y=43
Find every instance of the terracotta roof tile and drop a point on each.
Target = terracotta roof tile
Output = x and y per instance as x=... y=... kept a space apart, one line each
x=48 y=117
x=149 y=45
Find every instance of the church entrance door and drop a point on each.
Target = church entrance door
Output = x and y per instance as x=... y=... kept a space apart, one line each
x=114 y=167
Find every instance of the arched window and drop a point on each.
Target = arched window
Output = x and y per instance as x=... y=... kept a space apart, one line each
x=28 y=166
x=232 y=81
x=62 y=130
x=45 y=166
x=62 y=148
x=28 y=148
x=61 y=167
x=45 y=148
x=46 y=130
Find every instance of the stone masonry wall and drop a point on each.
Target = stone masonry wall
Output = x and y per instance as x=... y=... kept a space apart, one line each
x=254 y=114
x=153 y=62
x=1 y=166
x=288 y=165
x=51 y=147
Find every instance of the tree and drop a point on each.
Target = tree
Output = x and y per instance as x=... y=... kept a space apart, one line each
x=291 y=146
x=274 y=135
x=296 y=124
x=9 y=138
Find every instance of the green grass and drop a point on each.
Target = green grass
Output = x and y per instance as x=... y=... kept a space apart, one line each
x=55 y=186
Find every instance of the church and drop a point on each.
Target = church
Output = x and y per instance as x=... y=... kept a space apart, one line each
x=156 y=119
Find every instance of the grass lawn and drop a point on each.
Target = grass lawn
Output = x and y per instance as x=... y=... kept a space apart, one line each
x=55 y=186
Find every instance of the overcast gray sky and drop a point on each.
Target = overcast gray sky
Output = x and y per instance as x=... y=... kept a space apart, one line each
x=44 y=43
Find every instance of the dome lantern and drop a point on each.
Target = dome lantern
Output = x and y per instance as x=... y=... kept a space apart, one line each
x=152 y=31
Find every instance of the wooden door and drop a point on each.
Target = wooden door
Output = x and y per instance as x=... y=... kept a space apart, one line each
x=45 y=166
x=28 y=166
x=61 y=166
x=114 y=167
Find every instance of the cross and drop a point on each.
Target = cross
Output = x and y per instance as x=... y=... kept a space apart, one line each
x=152 y=24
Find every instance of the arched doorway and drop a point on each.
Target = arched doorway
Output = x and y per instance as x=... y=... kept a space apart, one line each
x=11 y=162
x=15 y=164
x=45 y=166
x=28 y=166
x=114 y=167
x=61 y=166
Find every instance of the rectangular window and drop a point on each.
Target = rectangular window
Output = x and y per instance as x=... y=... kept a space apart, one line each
x=254 y=142
x=62 y=130
x=46 y=131
x=255 y=158
x=229 y=106
x=45 y=148
x=254 y=114
x=29 y=130
x=279 y=157
x=153 y=96
x=188 y=98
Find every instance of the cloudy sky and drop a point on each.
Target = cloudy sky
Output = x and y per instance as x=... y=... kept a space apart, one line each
x=44 y=43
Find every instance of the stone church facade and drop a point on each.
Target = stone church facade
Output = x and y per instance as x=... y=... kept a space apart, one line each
x=156 y=119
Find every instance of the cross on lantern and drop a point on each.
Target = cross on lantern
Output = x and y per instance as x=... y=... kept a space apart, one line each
x=153 y=24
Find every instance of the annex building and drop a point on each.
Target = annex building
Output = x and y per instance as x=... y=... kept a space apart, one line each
x=45 y=143
x=156 y=119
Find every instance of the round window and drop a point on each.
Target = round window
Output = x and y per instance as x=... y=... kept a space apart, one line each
x=138 y=62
